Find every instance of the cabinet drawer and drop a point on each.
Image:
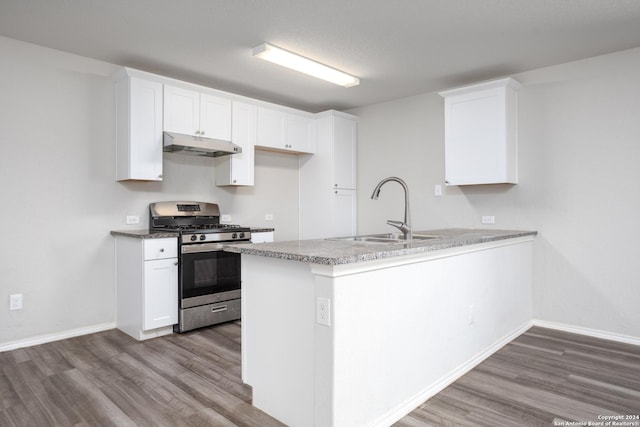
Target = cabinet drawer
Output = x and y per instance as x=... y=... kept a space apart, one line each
x=160 y=248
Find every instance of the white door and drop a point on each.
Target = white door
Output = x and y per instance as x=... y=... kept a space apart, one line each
x=344 y=213
x=181 y=110
x=215 y=117
x=270 y=128
x=145 y=141
x=244 y=135
x=298 y=133
x=344 y=153
x=160 y=293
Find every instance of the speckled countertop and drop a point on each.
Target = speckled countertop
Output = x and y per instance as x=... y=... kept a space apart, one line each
x=262 y=229
x=144 y=234
x=334 y=252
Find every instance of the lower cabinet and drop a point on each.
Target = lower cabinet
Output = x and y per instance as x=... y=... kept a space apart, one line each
x=146 y=286
x=160 y=296
x=261 y=236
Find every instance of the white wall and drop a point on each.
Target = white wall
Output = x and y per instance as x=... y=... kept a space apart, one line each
x=60 y=198
x=579 y=184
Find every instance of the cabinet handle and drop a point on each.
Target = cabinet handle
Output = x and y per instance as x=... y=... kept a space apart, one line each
x=161 y=249
x=175 y=263
x=197 y=132
x=201 y=132
x=160 y=176
x=336 y=191
x=335 y=185
x=234 y=181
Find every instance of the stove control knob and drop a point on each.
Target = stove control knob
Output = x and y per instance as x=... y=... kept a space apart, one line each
x=234 y=236
x=194 y=238
x=202 y=237
x=242 y=235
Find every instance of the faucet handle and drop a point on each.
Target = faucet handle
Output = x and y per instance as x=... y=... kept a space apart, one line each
x=403 y=227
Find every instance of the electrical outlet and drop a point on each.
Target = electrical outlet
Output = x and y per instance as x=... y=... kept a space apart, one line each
x=323 y=311
x=225 y=218
x=437 y=190
x=15 y=302
x=488 y=219
x=268 y=217
x=132 y=219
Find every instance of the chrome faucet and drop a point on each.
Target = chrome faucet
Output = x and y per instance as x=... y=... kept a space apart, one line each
x=404 y=227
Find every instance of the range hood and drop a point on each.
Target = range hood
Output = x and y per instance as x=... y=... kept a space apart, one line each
x=198 y=145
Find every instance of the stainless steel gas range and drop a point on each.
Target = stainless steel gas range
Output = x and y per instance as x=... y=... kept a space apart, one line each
x=208 y=278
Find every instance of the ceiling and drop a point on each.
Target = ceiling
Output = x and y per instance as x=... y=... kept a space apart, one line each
x=396 y=48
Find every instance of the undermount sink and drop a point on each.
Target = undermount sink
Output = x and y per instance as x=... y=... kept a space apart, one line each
x=391 y=238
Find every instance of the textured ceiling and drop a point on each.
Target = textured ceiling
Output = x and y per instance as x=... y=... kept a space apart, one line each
x=396 y=48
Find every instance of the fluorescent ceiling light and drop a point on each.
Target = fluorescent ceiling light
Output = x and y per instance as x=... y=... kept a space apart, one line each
x=304 y=65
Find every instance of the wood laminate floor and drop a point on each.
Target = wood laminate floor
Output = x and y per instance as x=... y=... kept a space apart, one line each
x=109 y=379
x=542 y=378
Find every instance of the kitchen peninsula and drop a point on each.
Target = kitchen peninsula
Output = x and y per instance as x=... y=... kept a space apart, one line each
x=346 y=332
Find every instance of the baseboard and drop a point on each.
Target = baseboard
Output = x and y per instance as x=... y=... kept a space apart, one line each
x=595 y=333
x=42 y=339
x=407 y=407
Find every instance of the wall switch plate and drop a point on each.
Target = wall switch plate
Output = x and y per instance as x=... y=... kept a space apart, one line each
x=15 y=302
x=489 y=219
x=225 y=218
x=132 y=219
x=437 y=190
x=323 y=311
x=268 y=217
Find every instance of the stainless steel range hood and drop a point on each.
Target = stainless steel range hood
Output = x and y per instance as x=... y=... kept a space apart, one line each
x=198 y=145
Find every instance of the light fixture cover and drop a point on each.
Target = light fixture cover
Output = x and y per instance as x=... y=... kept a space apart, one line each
x=304 y=65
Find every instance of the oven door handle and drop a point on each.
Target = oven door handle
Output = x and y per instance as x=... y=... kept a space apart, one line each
x=201 y=247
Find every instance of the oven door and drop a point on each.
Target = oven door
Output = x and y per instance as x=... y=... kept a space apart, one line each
x=208 y=274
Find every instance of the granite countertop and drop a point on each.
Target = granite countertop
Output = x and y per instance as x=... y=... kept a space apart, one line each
x=144 y=234
x=335 y=252
x=262 y=229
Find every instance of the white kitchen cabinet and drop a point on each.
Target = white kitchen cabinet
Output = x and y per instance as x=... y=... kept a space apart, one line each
x=138 y=128
x=343 y=213
x=285 y=131
x=146 y=286
x=196 y=113
x=262 y=237
x=238 y=169
x=481 y=133
x=328 y=179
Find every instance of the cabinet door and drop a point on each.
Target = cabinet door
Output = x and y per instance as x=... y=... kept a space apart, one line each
x=270 y=128
x=238 y=169
x=215 y=117
x=344 y=153
x=262 y=237
x=140 y=143
x=481 y=133
x=181 y=110
x=299 y=134
x=344 y=213
x=160 y=297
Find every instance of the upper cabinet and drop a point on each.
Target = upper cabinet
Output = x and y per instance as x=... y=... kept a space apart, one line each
x=238 y=169
x=196 y=113
x=138 y=128
x=148 y=104
x=343 y=138
x=285 y=131
x=481 y=133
